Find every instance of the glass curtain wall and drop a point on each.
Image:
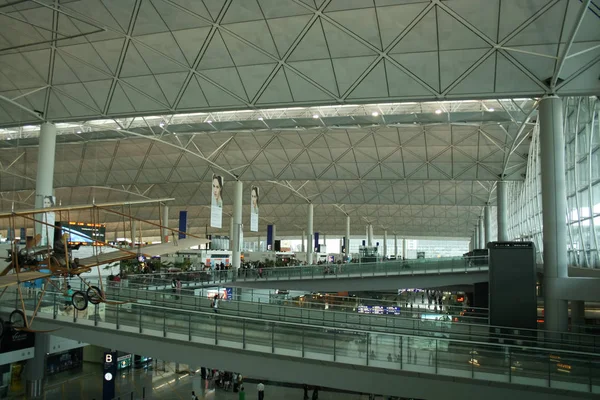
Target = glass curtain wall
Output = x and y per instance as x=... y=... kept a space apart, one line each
x=582 y=162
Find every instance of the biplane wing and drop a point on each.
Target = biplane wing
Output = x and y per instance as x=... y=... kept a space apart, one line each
x=14 y=279
x=148 y=251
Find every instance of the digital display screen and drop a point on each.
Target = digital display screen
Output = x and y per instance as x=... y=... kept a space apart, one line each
x=380 y=310
x=84 y=233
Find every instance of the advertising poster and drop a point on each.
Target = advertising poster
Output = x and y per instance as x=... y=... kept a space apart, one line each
x=216 y=205
x=254 y=201
x=48 y=218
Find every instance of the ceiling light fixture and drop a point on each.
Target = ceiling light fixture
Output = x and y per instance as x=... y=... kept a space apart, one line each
x=438 y=111
x=209 y=121
x=78 y=131
x=118 y=128
x=374 y=113
x=490 y=109
x=316 y=116
x=260 y=118
x=162 y=124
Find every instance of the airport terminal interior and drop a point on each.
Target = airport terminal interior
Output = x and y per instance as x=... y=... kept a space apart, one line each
x=300 y=199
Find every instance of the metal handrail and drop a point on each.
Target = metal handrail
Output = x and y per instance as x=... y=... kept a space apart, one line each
x=472 y=330
x=319 y=327
x=444 y=360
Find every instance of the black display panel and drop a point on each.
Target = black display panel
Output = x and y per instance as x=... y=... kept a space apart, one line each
x=512 y=281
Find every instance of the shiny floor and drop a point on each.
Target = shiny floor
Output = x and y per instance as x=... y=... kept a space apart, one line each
x=162 y=382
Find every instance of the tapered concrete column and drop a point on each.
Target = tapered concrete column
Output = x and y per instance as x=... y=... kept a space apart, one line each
x=384 y=243
x=35 y=368
x=395 y=245
x=44 y=183
x=482 y=242
x=502 y=211
x=309 y=234
x=404 y=248
x=303 y=239
x=237 y=225
x=274 y=237
x=165 y=223
x=554 y=209
x=487 y=221
x=370 y=235
x=347 y=254
x=471 y=243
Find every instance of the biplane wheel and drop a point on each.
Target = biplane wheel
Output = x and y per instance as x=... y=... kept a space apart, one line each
x=17 y=319
x=79 y=300
x=94 y=295
x=1 y=328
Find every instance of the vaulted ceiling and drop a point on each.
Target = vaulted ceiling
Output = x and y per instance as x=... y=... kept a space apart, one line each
x=349 y=104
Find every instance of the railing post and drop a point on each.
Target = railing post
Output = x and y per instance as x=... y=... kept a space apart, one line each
x=118 y=306
x=164 y=323
x=303 y=352
x=368 y=340
x=436 y=356
x=472 y=363
x=334 y=343
x=509 y=366
x=549 y=371
x=216 y=328
x=190 y=327
x=273 y=338
x=401 y=352
x=140 y=308
x=244 y=334
x=95 y=314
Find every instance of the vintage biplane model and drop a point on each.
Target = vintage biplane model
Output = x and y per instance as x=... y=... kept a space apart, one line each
x=49 y=263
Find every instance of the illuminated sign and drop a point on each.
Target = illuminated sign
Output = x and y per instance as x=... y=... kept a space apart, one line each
x=84 y=233
x=380 y=310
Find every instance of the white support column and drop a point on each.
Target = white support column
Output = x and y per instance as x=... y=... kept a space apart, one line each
x=502 y=211
x=554 y=210
x=370 y=235
x=395 y=245
x=404 y=255
x=303 y=241
x=487 y=220
x=165 y=223
x=44 y=183
x=471 y=243
x=237 y=225
x=231 y=232
x=482 y=243
x=309 y=236
x=385 y=244
x=274 y=237
x=36 y=366
x=347 y=236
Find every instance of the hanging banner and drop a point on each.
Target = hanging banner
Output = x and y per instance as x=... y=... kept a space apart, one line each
x=48 y=220
x=216 y=204
x=254 y=199
x=182 y=224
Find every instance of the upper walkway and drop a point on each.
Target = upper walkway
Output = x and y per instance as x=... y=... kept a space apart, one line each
x=388 y=275
x=352 y=359
x=581 y=284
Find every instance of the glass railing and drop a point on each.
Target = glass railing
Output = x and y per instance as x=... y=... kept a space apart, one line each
x=436 y=355
x=321 y=271
x=407 y=322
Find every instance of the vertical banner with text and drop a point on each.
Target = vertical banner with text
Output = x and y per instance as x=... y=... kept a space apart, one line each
x=216 y=204
x=254 y=201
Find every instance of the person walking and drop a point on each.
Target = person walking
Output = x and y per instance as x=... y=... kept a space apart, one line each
x=194 y=397
x=305 y=392
x=261 y=391
x=216 y=304
x=242 y=394
x=315 y=395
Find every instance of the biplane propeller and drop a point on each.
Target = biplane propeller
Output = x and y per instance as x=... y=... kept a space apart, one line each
x=46 y=262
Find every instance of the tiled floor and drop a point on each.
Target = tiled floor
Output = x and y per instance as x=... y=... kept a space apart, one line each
x=161 y=382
